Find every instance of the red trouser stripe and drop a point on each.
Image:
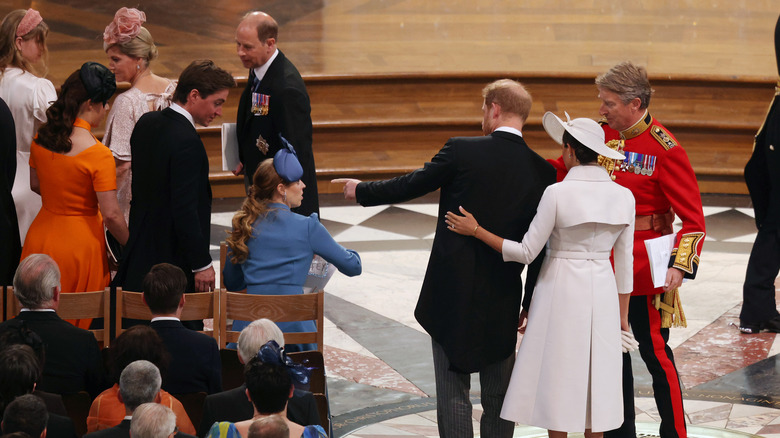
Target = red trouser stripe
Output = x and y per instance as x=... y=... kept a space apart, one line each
x=673 y=380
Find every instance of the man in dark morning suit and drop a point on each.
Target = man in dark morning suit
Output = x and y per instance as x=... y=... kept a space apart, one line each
x=72 y=357
x=11 y=248
x=470 y=299
x=195 y=358
x=233 y=405
x=170 y=214
x=762 y=175
x=139 y=383
x=274 y=102
x=19 y=372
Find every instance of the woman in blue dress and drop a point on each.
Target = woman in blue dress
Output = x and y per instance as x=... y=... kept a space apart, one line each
x=271 y=248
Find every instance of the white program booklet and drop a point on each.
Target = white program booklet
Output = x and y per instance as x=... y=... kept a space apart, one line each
x=659 y=250
x=320 y=272
x=229 y=147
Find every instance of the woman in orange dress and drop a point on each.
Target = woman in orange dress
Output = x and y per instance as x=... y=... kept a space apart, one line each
x=76 y=178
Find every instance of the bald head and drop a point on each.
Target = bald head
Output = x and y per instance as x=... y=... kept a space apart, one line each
x=256 y=38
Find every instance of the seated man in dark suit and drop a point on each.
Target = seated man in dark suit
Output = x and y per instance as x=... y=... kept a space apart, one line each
x=27 y=413
x=139 y=383
x=195 y=364
x=73 y=361
x=19 y=372
x=233 y=405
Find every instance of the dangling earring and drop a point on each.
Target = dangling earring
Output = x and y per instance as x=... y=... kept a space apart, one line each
x=284 y=198
x=138 y=67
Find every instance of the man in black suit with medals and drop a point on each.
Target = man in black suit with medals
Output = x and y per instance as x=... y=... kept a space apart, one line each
x=470 y=299
x=170 y=214
x=274 y=102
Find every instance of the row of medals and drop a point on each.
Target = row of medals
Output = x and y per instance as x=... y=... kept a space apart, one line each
x=636 y=163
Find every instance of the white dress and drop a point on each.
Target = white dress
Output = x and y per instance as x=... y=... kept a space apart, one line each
x=127 y=109
x=28 y=97
x=567 y=376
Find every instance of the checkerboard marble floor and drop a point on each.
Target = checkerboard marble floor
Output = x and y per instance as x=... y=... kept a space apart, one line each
x=378 y=358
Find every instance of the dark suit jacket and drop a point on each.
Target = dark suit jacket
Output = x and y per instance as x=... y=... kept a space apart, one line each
x=60 y=426
x=762 y=172
x=11 y=248
x=122 y=430
x=233 y=405
x=170 y=214
x=289 y=113
x=73 y=360
x=470 y=298
x=195 y=364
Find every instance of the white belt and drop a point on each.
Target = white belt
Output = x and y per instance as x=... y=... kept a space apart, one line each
x=578 y=255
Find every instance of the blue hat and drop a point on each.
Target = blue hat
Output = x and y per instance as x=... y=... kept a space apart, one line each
x=286 y=162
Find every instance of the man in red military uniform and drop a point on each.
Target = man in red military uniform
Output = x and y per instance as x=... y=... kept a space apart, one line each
x=659 y=174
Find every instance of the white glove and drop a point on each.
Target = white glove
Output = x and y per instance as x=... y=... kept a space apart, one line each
x=629 y=343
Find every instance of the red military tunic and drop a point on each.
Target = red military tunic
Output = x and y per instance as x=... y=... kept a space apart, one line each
x=659 y=174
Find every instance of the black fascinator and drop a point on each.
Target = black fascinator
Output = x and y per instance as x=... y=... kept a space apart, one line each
x=98 y=80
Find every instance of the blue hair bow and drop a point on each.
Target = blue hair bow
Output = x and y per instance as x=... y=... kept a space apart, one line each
x=272 y=353
x=286 y=162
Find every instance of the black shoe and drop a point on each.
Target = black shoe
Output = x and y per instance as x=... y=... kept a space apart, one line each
x=773 y=325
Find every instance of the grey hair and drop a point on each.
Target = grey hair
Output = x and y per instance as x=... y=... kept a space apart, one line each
x=272 y=426
x=629 y=82
x=257 y=334
x=35 y=280
x=152 y=420
x=139 y=383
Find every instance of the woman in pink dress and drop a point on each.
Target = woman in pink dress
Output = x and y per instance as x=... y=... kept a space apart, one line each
x=130 y=49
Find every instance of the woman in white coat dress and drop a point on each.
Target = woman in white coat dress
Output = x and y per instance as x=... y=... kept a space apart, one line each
x=567 y=376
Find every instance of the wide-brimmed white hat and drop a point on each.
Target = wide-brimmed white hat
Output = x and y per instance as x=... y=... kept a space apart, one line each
x=586 y=131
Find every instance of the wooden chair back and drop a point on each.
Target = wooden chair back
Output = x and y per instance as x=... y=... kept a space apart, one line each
x=76 y=305
x=277 y=308
x=193 y=405
x=314 y=360
x=77 y=406
x=222 y=258
x=197 y=305
x=323 y=410
x=232 y=369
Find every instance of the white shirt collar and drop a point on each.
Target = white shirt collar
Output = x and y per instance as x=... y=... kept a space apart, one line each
x=179 y=109
x=165 y=318
x=510 y=130
x=24 y=309
x=261 y=71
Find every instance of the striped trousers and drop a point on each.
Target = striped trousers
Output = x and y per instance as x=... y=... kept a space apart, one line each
x=453 y=406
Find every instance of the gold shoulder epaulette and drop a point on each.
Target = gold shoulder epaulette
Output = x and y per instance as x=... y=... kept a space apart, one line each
x=663 y=137
x=611 y=163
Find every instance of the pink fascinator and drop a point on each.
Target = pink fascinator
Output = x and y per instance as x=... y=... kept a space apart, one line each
x=31 y=19
x=126 y=26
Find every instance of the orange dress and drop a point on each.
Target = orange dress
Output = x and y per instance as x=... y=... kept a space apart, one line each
x=69 y=227
x=108 y=411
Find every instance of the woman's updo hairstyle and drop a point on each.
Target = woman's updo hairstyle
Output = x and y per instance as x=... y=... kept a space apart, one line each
x=583 y=153
x=127 y=33
x=93 y=82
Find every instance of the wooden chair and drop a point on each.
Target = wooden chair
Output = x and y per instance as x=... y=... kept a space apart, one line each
x=197 y=305
x=77 y=405
x=76 y=305
x=3 y=301
x=277 y=308
x=222 y=258
x=314 y=360
x=193 y=405
x=232 y=369
x=324 y=412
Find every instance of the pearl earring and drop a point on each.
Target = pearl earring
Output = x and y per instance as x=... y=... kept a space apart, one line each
x=138 y=67
x=285 y=197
